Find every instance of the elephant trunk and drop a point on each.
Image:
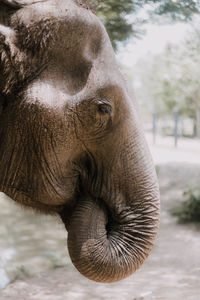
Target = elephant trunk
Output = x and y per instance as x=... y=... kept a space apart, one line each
x=109 y=239
x=107 y=250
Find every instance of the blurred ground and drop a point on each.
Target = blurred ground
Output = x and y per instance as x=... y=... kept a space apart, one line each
x=164 y=151
x=33 y=248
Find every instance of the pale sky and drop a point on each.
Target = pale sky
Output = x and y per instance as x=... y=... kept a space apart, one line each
x=156 y=38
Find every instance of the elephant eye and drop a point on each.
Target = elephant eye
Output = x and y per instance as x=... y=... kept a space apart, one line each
x=104 y=107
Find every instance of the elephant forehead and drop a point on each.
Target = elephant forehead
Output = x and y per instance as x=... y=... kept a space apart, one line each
x=34 y=11
x=46 y=95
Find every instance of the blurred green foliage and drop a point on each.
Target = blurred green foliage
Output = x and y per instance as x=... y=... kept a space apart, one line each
x=123 y=19
x=171 y=79
x=181 y=10
x=189 y=210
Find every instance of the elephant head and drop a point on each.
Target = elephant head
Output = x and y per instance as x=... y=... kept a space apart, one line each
x=71 y=140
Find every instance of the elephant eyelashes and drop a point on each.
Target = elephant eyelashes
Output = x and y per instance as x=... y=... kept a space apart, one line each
x=104 y=108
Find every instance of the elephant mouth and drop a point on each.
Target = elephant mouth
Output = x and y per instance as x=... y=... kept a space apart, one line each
x=24 y=198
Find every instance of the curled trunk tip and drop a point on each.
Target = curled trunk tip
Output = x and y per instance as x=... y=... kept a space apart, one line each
x=104 y=250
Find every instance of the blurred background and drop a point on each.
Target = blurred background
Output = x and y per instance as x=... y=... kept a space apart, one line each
x=157 y=45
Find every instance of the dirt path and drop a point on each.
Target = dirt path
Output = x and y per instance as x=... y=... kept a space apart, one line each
x=172 y=272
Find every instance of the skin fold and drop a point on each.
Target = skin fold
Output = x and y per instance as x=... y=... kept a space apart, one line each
x=71 y=139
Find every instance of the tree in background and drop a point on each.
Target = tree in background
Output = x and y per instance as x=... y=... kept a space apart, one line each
x=171 y=79
x=124 y=19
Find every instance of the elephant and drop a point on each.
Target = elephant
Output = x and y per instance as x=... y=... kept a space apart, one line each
x=71 y=139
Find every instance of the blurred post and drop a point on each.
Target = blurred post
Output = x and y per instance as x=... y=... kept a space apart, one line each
x=155 y=118
x=198 y=121
x=176 y=115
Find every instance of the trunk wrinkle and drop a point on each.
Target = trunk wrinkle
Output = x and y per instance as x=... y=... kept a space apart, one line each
x=106 y=248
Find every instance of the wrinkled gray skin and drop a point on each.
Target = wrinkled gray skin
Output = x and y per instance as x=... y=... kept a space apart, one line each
x=71 y=141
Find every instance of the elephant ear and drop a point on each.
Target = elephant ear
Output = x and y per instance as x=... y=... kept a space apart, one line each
x=19 y=3
x=8 y=54
x=7 y=45
x=5 y=12
x=12 y=3
x=16 y=66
